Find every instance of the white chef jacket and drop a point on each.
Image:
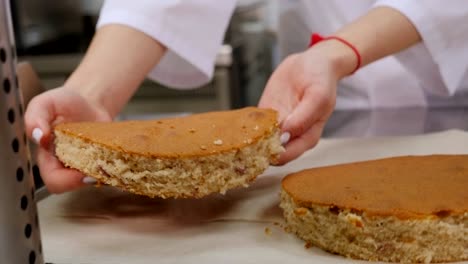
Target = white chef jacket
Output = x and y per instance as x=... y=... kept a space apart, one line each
x=432 y=73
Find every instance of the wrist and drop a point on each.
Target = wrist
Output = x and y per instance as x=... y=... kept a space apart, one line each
x=342 y=58
x=91 y=94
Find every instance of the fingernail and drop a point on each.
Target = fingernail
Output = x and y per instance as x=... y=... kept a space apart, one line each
x=89 y=180
x=37 y=135
x=284 y=138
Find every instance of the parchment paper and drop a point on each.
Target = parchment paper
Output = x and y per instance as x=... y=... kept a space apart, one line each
x=104 y=225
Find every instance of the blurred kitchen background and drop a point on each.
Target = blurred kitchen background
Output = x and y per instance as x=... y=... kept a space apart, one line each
x=53 y=35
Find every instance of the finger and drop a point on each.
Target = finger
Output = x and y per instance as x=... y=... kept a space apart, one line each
x=279 y=93
x=38 y=117
x=313 y=108
x=57 y=178
x=281 y=106
x=299 y=145
x=276 y=96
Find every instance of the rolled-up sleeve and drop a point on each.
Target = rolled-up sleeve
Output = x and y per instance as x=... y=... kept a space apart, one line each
x=443 y=26
x=192 y=31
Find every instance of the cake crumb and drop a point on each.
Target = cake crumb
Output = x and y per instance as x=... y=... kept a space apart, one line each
x=203 y=147
x=256 y=128
x=248 y=141
x=267 y=231
x=192 y=130
x=300 y=211
x=240 y=170
x=308 y=245
x=218 y=142
x=355 y=220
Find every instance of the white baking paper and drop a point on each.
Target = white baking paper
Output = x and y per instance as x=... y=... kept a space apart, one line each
x=104 y=225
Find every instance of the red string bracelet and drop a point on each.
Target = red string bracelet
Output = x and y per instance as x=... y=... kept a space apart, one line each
x=316 y=38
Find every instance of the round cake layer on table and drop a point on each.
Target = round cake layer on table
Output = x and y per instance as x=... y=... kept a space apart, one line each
x=402 y=209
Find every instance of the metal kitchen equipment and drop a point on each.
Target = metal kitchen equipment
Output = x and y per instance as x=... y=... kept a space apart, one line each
x=19 y=226
x=45 y=22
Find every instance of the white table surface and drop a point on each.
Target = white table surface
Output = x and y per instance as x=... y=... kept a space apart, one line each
x=104 y=225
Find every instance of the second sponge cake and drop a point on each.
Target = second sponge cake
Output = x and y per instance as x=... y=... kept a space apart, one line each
x=190 y=156
x=406 y=209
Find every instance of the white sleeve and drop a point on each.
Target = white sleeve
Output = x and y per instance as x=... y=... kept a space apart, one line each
x=192 y=31
x=443 y=26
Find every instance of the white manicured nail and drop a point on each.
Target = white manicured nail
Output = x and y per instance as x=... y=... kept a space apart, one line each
x=89 y=180
x=284 y=138
x=37 y=135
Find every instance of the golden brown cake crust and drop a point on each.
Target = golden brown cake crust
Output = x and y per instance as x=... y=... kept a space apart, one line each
x=405 y=187
x=182 y=137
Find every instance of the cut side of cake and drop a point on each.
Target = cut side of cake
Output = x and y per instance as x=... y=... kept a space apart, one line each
x=411 y=209
x=191 y=156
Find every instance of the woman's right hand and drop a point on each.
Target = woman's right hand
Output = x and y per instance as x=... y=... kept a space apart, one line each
x=42 y=114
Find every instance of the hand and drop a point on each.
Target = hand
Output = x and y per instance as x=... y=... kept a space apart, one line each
x=303 y=91
x=43 y=113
